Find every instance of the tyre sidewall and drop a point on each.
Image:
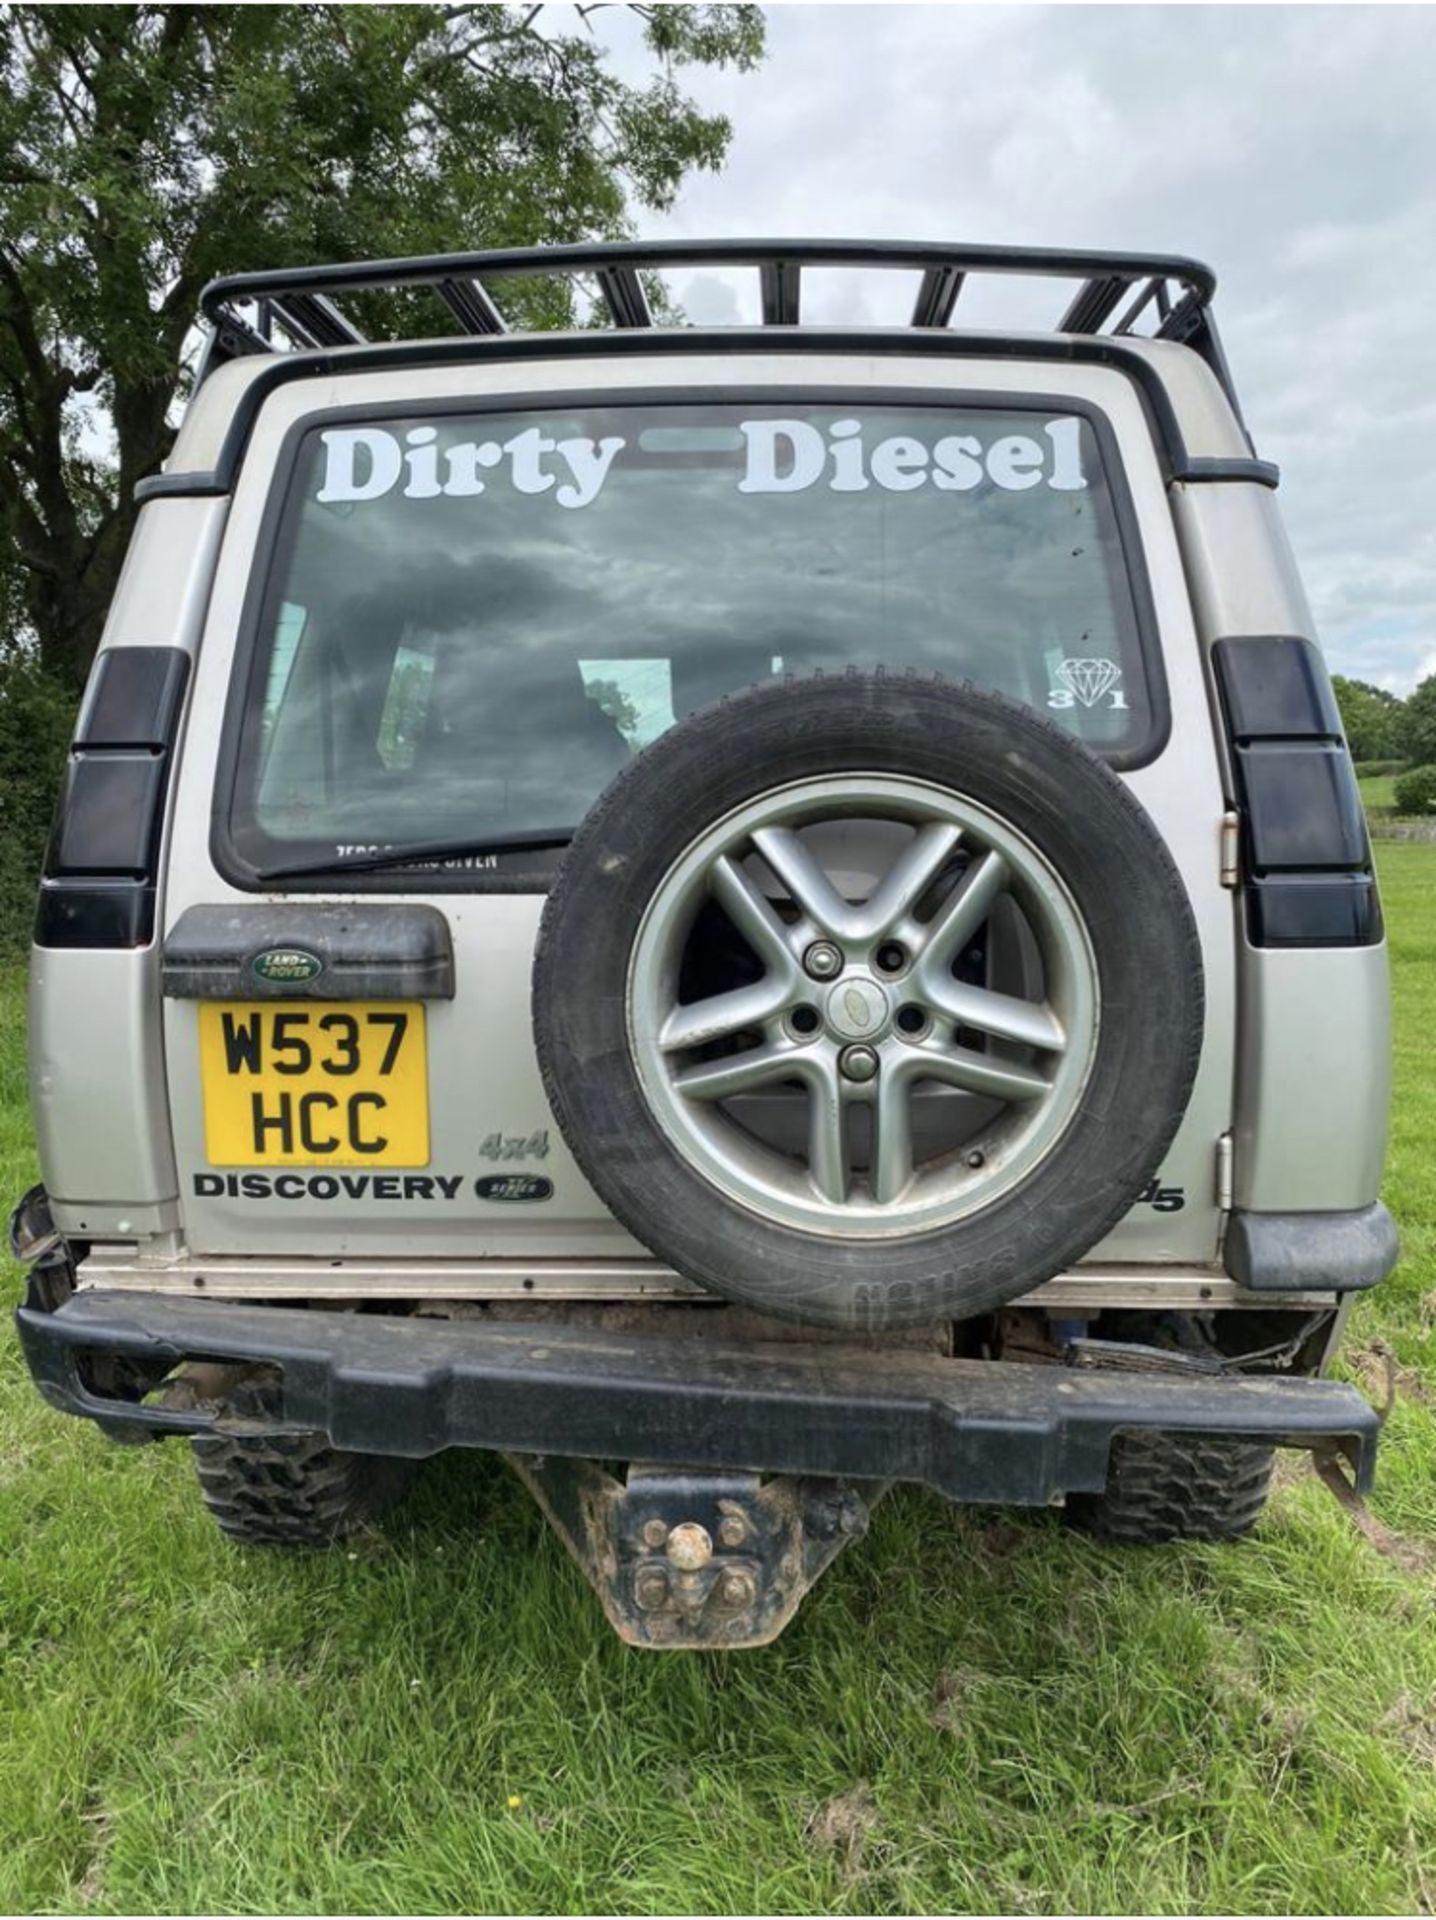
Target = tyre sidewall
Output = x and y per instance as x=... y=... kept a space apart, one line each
x=1008 y=759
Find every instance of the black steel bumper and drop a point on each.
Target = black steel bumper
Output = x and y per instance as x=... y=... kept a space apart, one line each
x=974 y=1430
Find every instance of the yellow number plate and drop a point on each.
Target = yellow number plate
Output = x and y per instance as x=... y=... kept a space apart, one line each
x=312 y=1083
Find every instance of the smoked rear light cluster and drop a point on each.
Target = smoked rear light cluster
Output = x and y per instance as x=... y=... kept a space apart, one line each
x=98 y=888
x=1306 y=859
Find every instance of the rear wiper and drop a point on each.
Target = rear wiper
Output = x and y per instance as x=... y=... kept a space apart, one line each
x=423 y=852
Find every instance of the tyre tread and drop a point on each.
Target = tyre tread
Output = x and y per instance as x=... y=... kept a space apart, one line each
x=1163 y=1487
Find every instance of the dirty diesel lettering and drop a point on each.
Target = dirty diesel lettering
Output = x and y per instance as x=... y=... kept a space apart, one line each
x=781 y=456
x=241 y=1042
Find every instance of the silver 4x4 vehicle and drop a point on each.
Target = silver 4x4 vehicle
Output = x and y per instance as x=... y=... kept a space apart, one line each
x=784 y=906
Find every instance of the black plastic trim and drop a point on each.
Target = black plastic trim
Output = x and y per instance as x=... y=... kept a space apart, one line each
x=198 y=484
x=1303 y=809
x=109 y=816
x=1177 y=463
x=1201 y=468
x=537 y=876
x=1313 y=910
x=1276 y=687
x=1311 y=1252
x=133 y=698
x=367 y=951
x=975 y=1430
x=1306 y=856
x=95 y=913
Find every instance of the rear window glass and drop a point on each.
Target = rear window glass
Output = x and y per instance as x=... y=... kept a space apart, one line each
x=473 y=621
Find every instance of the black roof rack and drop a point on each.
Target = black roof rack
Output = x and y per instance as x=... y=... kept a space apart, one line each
x=1173 y=293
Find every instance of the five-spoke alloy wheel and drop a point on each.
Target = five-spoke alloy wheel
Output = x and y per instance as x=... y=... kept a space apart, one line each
x=858 y=1002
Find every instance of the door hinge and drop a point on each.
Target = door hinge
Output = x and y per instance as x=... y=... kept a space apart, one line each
x=1225 y=1175
x=1231 y=849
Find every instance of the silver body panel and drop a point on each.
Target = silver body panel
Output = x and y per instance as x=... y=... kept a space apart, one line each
x=1313 y=1089
x=117 y=1077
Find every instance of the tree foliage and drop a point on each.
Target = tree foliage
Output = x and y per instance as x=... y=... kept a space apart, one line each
x=36 y=715
x=1370 y=716
x=145 y=149
x=1416 y=738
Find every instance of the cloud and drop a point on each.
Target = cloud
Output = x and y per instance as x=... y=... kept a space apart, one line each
x=1293 y=147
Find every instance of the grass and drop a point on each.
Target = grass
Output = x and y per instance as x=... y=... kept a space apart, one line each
x=973 y=1711
x=1378 y=792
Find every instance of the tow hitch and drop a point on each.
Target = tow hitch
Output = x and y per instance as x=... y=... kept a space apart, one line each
x=683 y=1558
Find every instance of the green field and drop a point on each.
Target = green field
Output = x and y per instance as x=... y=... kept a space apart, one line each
x=974 y=1711
x=1378 y=793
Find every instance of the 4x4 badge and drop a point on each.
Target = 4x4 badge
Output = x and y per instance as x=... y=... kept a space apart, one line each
x=286 y=966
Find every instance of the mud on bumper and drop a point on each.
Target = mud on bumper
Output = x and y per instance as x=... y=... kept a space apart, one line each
x=974 y=1430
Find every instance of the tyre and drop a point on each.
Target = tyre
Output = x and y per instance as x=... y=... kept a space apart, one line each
x=293 y=1489
x=868 y=1001
x=1176 y=1486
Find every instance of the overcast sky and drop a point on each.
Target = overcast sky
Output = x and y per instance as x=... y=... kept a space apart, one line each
x=1294 y=148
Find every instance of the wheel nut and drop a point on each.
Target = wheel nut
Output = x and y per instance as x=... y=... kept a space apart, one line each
x=655 y=1532
x=858 y=1063
x=690 y=1547
x=732 y=1530
x=823 y=961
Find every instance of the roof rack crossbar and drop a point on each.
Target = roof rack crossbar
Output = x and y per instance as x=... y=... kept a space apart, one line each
x=937 y=296
x=314 y=320
x=1093 y=303
x=782 y=286
x=1133 y=311
x=471 y=306
x=623 y=291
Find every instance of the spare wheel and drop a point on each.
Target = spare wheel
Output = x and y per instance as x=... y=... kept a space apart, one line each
x=868 y=1001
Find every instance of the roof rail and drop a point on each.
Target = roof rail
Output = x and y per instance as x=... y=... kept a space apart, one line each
x=302 y=302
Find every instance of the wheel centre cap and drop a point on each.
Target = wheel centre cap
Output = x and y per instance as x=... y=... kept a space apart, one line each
x=857 y=1009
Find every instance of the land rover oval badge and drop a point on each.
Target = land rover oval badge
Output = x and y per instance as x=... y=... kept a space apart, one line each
x=286 y=966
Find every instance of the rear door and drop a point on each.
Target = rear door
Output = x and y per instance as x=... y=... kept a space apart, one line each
x=448 y=610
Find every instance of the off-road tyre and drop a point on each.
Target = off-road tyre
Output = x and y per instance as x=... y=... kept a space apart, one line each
x=293 y=1489
x=1027 y=771
x=1176 y=1486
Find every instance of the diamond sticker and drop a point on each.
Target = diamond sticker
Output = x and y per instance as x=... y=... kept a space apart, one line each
x=1088 y=680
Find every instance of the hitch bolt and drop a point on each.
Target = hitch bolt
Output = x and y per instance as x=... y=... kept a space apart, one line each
x=858 y=1063
x=732 y=1531
x=823 y=961
x=690 y=1547
x=737 y=1588
x=650 y=1590
x=655 y=1532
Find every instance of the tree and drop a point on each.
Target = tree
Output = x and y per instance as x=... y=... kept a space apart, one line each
x=1371 y=717
x=145 y=149
x=1417 y=736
